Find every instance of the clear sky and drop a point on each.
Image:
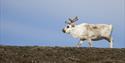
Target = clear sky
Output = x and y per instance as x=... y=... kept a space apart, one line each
x=40 y=22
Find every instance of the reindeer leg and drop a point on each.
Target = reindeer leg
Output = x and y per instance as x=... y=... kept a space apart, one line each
x=79 y=43
x=109 y=39
x=90 y=42
x=111 y=42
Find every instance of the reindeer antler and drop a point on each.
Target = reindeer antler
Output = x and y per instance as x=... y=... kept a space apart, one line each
x=67 y=22
x=71 y=20
x=75 y=19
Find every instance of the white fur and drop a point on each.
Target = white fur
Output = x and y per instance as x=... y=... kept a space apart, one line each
x=82 y=32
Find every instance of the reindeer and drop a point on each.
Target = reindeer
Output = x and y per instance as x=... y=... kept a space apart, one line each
x=89 y=32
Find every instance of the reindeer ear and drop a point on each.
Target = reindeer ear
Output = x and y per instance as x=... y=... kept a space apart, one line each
x=75 y=19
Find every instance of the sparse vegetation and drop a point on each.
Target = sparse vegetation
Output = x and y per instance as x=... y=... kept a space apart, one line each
x=37 y=54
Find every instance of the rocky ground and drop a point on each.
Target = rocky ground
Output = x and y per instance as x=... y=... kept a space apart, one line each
x=39 y=54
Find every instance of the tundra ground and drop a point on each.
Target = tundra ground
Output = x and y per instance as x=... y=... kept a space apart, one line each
x=39 y=54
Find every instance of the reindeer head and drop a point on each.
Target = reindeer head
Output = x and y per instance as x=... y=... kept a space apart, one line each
x=70 y=25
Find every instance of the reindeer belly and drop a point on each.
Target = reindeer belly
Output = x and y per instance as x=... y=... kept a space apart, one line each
x=94 y=35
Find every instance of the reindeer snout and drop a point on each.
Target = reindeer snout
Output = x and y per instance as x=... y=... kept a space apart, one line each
x=63 y=30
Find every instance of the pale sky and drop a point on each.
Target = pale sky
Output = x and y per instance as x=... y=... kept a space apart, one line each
x=40 y=22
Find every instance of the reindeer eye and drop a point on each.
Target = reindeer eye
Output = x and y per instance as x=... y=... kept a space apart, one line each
x=67 y=26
